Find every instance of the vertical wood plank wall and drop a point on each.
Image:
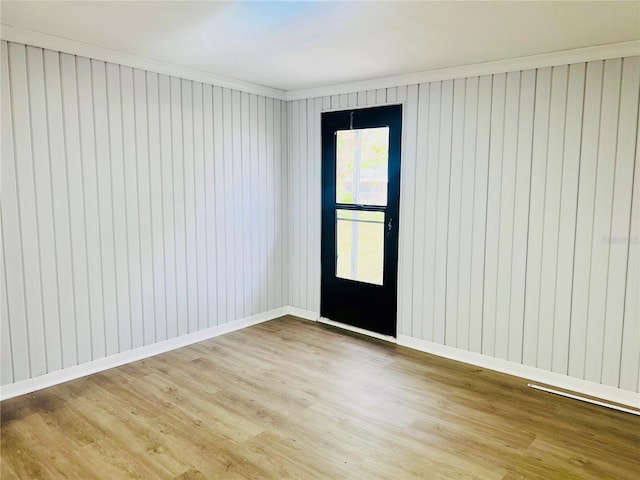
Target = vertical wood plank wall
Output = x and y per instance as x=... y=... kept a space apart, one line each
x=136 y=207
x=519 y=215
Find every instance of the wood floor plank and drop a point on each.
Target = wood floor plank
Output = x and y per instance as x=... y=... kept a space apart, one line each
x=296 y=399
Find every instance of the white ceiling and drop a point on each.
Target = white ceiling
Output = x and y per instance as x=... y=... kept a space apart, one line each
x=295 y=45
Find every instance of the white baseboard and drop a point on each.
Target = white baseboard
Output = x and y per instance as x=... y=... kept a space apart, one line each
x=554 y=379
x=361 y=331
x=54 y=378
x=585 y=387
x=302 y=313
x=315 y=317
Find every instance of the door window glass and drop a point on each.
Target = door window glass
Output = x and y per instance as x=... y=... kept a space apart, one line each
x=360 y=246
x=362 y=166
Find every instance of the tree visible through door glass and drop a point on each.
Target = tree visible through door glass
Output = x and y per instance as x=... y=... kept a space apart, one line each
x=362 y=166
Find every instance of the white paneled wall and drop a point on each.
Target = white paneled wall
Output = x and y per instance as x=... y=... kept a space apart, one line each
x=519 y=215
x=136 y=207
x=305 y=189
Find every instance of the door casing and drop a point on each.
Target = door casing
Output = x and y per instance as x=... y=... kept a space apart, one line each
x=367 y=306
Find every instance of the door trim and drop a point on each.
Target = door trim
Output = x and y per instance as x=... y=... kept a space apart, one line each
x=368 y=105
x=367 y=116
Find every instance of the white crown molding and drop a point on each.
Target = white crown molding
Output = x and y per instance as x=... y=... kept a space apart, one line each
x=54 y=378
x=538 y=375
x=565 y=57
x=52 y=42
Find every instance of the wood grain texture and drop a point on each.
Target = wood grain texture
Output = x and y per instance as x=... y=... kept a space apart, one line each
x=295 y=399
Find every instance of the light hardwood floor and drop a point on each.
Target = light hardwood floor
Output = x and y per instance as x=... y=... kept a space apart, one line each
x=295 y=399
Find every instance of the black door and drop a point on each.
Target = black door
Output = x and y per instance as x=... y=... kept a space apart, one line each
x=360 y=203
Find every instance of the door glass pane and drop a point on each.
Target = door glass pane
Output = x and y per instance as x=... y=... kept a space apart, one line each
x=360 y=246
x=362 y=166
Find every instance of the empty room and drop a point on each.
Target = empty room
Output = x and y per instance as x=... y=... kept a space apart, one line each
x=319 y=240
